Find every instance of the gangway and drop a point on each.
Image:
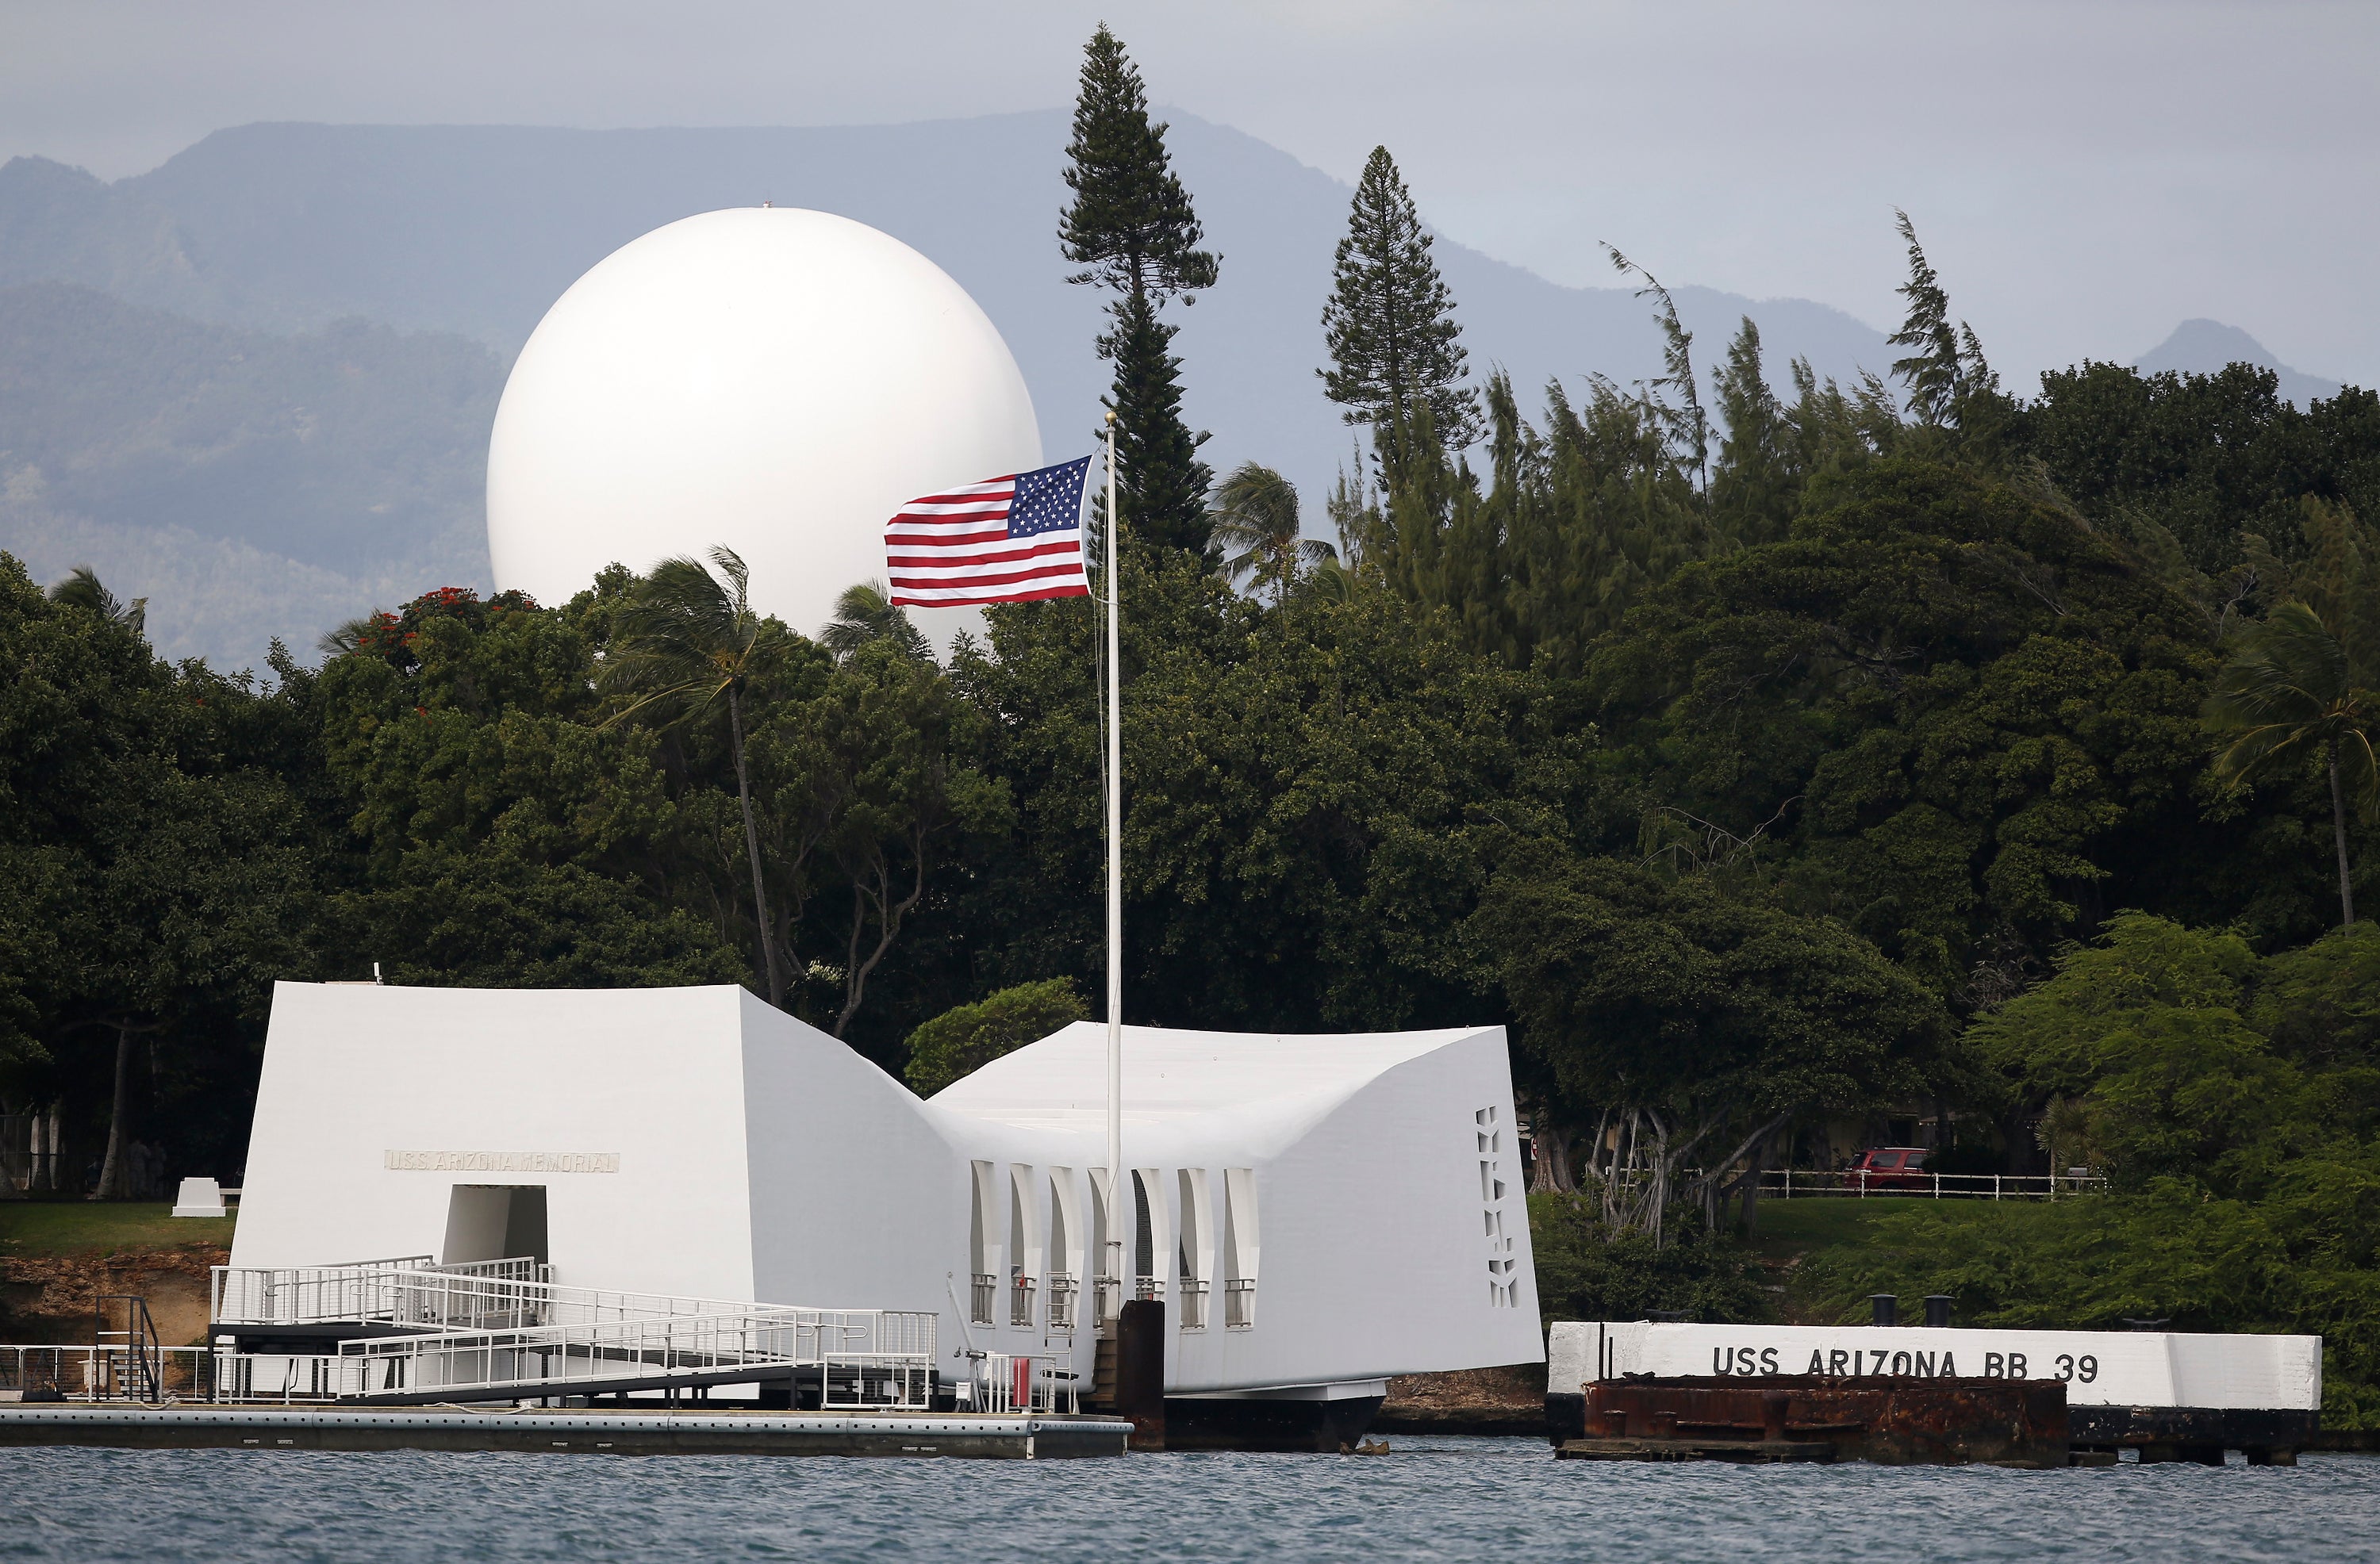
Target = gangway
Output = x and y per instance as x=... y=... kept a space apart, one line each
x=408 y=1331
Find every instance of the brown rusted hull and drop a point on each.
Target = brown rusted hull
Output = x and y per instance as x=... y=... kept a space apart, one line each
x=1892 y=1422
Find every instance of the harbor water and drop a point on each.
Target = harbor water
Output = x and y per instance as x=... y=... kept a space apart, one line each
x=1427 y=1498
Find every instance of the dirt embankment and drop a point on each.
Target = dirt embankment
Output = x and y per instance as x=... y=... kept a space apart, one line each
x=1471 y=1401
x=52 y=1298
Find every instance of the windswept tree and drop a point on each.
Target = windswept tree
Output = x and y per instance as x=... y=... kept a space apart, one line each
x=1948 y=381
x=82 y=589
x=1131 y=230
x=1395 y=348
x=688 y=645
x=863 y=615
x=1683 y=420
x=1256 y=525
x=2290 y=695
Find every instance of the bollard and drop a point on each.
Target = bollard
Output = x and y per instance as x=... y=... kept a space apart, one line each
x=1937 y=1311
x=1886 y=1307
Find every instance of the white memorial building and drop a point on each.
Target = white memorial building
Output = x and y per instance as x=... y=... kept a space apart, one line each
x=1319 y=1213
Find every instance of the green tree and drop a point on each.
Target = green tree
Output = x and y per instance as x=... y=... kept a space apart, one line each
x=1756 y=482
x=1132 y=229
x=865 y=614
x=689 y=644
x=154 y=881
x=2290 y=695
x=1691 y=1019
x=1685 y=423
x=959 y=1042
x=1955 y=715
x=2232 y=1102
x=875 y=774
x=1389 y=324
x=1950 y=385
x=1255 y=523
x=83 y=589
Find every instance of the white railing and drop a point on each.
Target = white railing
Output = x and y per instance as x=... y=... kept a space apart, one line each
x=1021 y=1383
x=979 y=1295
x=1194 y=1303
x=1148 y=1289
x=380 y=1291
x=1020 y=1300
x=862 y=1357
x=1062 y=1293
x=1791 y=1184
x=487 y=1294
x=1239 y=1304
x=116 y=1373
x=500 y=1328
x=1106 y=1296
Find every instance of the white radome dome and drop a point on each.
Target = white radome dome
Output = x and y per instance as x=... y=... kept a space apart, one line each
x=776 y=379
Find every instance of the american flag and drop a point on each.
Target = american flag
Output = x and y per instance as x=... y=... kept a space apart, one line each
x=1004 y=541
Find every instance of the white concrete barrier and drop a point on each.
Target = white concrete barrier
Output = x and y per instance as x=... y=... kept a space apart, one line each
x=199 y=1197
x=2100 y=1367
x=2173 y=1390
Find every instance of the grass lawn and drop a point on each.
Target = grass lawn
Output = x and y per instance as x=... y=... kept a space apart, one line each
x=30 y=1228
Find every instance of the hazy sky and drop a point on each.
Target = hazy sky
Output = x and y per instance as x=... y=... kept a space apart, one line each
x=2086 y=173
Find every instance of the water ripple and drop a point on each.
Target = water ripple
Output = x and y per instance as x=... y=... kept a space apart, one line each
x=1458 y=1500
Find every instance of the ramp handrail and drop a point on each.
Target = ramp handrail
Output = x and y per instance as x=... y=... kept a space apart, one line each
x=866 y=1357
x=484 y=1295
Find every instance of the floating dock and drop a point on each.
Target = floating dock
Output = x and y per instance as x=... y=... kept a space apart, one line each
x=1040 y=1437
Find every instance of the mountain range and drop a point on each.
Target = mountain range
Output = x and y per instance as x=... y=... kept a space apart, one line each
x=254 y=383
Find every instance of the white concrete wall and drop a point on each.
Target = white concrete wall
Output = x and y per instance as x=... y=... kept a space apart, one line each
x=2100 y=1367
x=757 y=1159
x=857 y=1196
x=652 y=1076
x=1375 y=1257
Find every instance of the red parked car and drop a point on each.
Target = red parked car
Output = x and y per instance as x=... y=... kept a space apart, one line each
x=1891 y=1167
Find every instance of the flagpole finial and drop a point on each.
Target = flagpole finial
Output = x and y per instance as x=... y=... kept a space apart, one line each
x=1111 y=417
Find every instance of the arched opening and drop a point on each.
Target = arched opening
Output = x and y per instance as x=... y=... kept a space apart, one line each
x=1066 y=1249
x=1194 y=1249
x=983 y=1251
x=1239 y=1248
x=1150 y=1248
x=1023 y=1246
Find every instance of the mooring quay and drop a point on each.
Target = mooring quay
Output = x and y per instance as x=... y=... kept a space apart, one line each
x=551 y=1432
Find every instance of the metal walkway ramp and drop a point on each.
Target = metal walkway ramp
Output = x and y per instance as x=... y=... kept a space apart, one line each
x=408 y=1331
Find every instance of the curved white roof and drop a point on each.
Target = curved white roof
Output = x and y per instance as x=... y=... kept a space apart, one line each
x=1062 y=1081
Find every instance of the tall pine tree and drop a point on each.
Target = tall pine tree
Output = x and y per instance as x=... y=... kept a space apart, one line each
x=1131 y=230
x=1395 y=348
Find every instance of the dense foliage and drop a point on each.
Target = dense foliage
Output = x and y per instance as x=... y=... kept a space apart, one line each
x=2233 y=1101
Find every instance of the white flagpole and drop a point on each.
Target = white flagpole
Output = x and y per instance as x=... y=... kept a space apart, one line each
x=1120 y=1225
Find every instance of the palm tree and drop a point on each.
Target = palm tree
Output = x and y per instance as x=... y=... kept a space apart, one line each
x=1256 y=514
x=866 y=613
x=687 y=642
x=2287 y=694
x=81 y=589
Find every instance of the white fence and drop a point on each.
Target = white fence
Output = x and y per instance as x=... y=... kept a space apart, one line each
x=1791 y=1183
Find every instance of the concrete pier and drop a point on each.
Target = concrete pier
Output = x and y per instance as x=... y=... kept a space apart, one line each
x=583 y=1433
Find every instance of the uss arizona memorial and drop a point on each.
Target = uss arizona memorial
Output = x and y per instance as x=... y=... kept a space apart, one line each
x=1317 y=1213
